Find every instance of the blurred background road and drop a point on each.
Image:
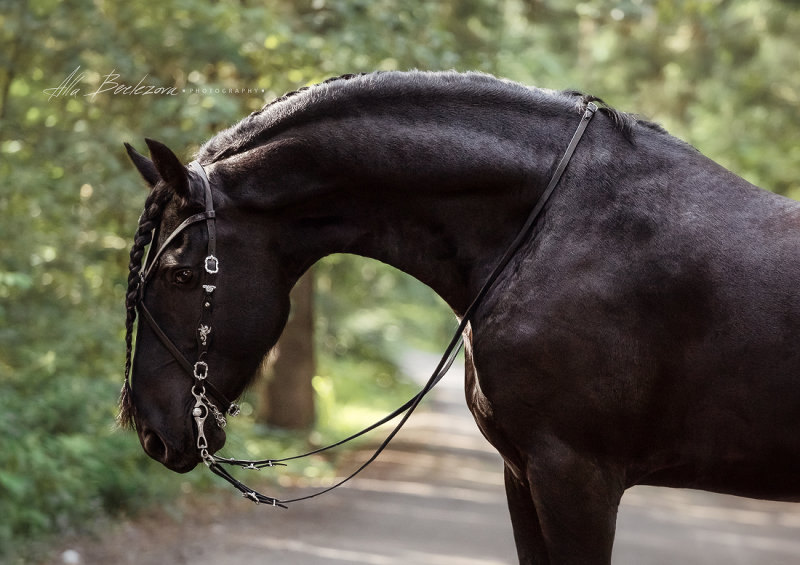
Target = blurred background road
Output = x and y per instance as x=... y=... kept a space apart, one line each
x=434 y=498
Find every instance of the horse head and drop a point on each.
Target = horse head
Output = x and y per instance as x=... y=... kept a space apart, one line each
x=209 y=317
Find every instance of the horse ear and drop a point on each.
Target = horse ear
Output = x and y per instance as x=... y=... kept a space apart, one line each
x=144 y=166
x=169 y=167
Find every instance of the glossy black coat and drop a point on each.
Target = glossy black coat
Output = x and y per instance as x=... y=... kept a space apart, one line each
x=645 y=334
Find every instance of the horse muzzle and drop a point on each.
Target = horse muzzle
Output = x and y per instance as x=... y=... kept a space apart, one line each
x=178 y=456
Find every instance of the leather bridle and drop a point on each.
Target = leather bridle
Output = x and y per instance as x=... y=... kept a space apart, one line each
x=199 y=370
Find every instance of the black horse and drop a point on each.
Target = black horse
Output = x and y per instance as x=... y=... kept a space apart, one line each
x=644 y=332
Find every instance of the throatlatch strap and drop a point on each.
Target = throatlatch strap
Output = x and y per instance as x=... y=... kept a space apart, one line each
x=212 y=229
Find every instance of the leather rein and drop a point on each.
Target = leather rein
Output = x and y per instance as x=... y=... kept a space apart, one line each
x=199 y=370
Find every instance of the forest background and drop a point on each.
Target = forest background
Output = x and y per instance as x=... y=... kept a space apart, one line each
x=723 y=75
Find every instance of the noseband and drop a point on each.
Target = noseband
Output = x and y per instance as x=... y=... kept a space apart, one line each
x=199 y=370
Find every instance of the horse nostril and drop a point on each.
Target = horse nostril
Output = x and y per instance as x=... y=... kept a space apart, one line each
x=154 y=446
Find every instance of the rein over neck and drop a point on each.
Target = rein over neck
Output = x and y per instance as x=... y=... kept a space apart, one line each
x=202 y=406
x=201 y=373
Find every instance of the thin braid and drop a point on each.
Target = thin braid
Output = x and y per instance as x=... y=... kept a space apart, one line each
x=148 y=221
x=211 y=153
x=305 y=88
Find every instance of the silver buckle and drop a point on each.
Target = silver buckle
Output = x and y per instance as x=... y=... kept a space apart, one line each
x=200 y=370
x=251 y=496
x=212 y=265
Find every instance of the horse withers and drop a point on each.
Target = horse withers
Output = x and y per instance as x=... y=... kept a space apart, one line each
x=642 y=333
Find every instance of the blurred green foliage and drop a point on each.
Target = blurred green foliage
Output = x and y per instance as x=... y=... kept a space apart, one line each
x=722 y=74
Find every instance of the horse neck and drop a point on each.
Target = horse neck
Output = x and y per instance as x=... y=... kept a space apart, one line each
x=438 y=201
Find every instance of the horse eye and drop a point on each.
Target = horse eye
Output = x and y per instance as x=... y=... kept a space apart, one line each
x=184 y=276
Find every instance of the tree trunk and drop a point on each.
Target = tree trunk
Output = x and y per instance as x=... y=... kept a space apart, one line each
x=287 y=400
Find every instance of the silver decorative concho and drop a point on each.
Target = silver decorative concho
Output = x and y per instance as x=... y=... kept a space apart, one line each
x=204 y=331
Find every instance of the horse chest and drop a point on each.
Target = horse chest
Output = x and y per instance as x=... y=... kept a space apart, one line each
x=484 y=411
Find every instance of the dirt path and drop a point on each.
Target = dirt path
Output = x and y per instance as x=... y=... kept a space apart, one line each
x=435 y=498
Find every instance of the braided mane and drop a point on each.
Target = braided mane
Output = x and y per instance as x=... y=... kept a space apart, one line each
x=158 y=198
x=310 y=101
x=243 y=135
x=305 y=88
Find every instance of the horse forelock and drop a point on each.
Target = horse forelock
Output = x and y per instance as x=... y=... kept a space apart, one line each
x=154 y=207
x=125 y=415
